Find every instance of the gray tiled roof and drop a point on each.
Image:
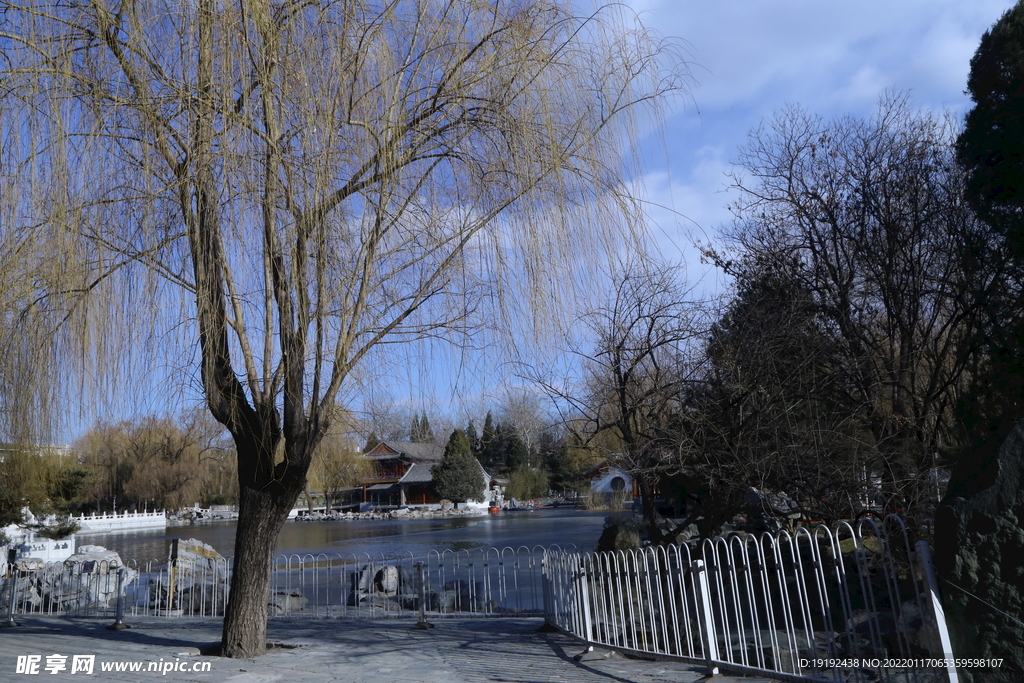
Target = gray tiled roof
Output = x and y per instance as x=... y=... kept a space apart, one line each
x=413 y=452
x=418 y=473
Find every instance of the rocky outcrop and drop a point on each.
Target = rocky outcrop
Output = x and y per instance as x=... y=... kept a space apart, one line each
x=392 y=588
x=286 y=602
x=978 y=541
x=620 y=533
x=84 y=582
x=196 y=584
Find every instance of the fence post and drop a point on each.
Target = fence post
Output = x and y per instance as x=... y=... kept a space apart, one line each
x=119 y=624
x=546 y=582
x=12 y=579
x=705 y=617
x=173 y=573
x=422 y=624
x=924 y=556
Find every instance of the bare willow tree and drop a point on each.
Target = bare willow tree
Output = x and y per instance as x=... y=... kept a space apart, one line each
x=317 y=179
x=27 y=353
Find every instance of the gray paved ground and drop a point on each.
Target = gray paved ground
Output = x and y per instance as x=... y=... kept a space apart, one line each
x=350 y=651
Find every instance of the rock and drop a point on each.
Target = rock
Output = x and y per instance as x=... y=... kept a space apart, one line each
x=620 y=533
x=789 y=651
x=446 y=505
x=979 y=531
x=458 y=596
x=29 y=564
x=284 y=602
x=191 y=597
x=200 y=581
x=771 y=503
x=105 y=559
x=387 y=581
x=87 y=579
x=198 y=558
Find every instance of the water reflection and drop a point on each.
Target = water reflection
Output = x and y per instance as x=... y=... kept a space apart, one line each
x=387 y=537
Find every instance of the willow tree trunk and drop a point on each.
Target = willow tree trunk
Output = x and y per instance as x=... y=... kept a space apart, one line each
x=260 y=518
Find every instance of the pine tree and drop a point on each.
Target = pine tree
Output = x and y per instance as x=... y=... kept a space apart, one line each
x=473 y=436
x=415 y=429
x=488 y=429
x=426 y=433
x=371 y=442
x=458 y=477
x=991 y=145
x=492 y=453
x=517 y=455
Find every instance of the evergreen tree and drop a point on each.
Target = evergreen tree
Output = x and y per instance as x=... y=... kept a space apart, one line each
x=527 y=483
x=426 y=433
x=991 y=146
x=415 y=429
x=517 y=455
x=991 y=150
x=492 y=445
x=458 y=477
x=473 y=436
x=371 y=442
x=488 y=435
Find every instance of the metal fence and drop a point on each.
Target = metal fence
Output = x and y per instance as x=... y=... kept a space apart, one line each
x=852 y=603
x=479 y=582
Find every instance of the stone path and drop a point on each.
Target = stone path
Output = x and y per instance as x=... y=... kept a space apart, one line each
x=343 y=651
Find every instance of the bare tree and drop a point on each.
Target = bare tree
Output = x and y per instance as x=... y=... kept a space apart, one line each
x=316 y=179
x=628 y=402
x=872 y=212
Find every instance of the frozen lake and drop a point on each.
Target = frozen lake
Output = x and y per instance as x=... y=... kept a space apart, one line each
x=545 y=527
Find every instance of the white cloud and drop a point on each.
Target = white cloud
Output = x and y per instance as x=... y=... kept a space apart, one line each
x=753 y=58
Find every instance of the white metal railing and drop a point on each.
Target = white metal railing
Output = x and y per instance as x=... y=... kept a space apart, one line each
x=480 y=582
x=852 y=603
x=804 y=605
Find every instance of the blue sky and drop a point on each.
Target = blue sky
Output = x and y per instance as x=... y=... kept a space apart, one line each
x=751 y=58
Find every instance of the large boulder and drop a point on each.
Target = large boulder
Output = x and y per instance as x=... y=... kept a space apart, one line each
x=620 y=533
x=199 y=559
x=978 y=541
x=286 y=602
x=82 y=583
x=105 y=560
x=200 y=582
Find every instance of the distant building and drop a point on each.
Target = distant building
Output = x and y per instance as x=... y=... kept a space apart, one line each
x=608 y=482
x=401 y=474
x=59 y=450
